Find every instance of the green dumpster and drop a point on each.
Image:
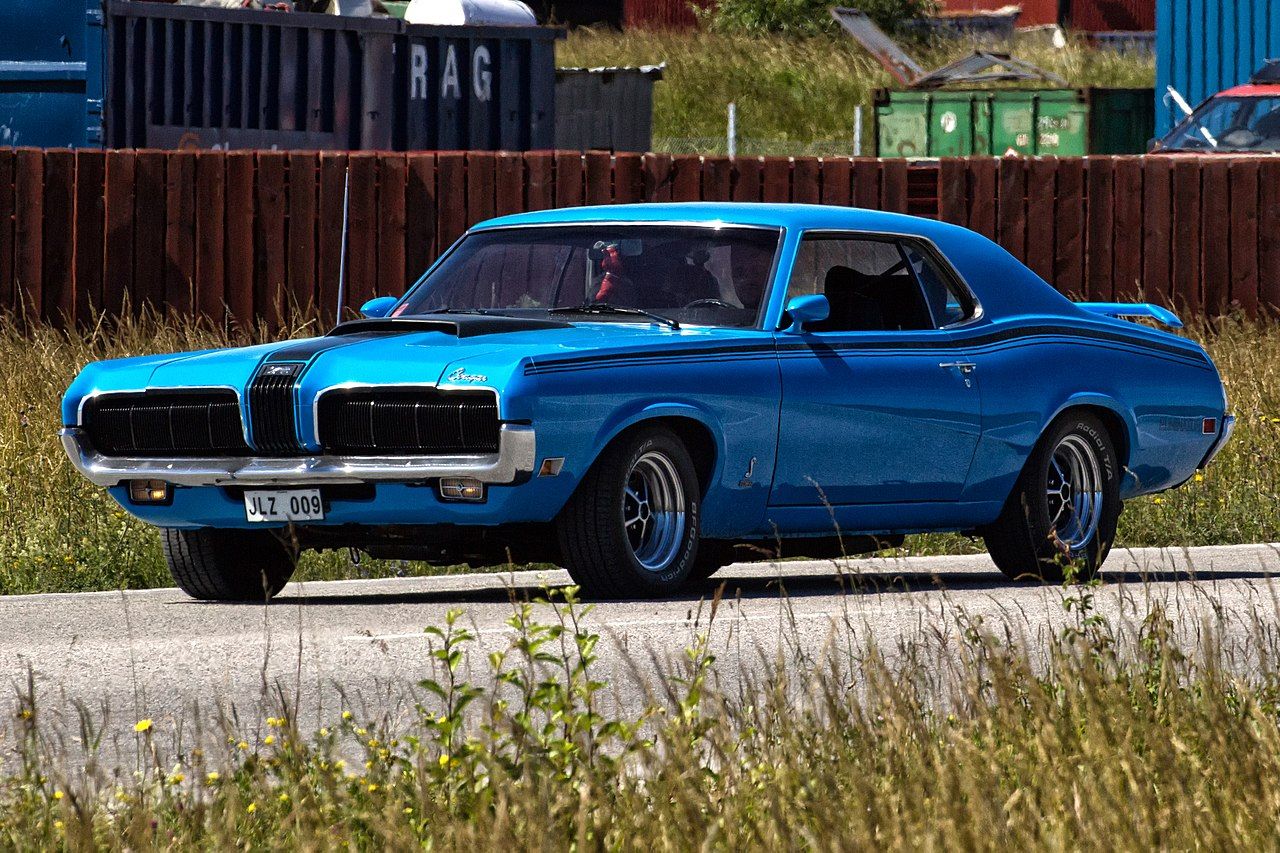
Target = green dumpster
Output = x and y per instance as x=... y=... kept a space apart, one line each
x=1062 y=122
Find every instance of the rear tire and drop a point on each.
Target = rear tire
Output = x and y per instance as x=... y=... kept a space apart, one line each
x=631 y=528
x=228 y=565
x=1065 y=506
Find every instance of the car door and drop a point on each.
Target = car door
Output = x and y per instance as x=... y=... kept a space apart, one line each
x=879 y=405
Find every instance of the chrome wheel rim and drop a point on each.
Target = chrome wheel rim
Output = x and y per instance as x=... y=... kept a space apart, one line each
x=1073 y=492
x=653 y=511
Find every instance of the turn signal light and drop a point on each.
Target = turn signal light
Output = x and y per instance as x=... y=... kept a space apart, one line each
x=461 y=489
x=150 y=491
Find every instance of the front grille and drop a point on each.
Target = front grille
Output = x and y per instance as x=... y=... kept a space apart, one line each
x=166 y=423
x=374 y=421
x=271 y=409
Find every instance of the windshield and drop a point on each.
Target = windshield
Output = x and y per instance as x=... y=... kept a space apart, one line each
x=694 y=275
x=1229 y=124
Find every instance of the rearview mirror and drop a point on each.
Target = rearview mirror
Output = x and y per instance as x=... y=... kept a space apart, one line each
x=379 y=307
x=807 y=309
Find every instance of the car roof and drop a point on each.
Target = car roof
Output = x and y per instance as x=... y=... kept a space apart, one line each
x=803 y=216
x=1251 y=90
x=1003 y=285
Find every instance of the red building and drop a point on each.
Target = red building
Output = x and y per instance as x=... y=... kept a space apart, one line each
x=1090 y=16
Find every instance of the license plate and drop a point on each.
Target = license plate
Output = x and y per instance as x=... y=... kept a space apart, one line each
x=284 y=505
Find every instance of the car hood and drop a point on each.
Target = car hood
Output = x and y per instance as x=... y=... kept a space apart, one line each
x=386 y=355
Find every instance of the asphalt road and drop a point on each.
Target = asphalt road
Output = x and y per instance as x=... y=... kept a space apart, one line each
x=158 y=654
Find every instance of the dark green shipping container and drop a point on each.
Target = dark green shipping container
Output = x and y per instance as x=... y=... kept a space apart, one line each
x=1061 y=122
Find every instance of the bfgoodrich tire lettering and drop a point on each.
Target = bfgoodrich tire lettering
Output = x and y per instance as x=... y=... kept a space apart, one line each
x=1064 y=509
x=228 y=565
x=606 y=548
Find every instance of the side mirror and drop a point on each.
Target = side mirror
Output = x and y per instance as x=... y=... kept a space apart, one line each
x=379 y=307
x=807 y=309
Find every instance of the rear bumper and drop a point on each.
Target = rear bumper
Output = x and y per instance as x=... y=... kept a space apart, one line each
x=514 y=461
x=1224 y=435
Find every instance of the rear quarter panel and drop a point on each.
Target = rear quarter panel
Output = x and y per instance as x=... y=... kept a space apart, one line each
x=1158 y=387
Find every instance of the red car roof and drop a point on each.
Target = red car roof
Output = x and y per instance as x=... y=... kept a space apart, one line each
x=1256 y=90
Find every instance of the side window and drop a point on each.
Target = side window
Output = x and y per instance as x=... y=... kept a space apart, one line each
x=947 y=305
x=869 y=282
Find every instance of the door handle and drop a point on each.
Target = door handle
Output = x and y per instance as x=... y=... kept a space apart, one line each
x=965 y=367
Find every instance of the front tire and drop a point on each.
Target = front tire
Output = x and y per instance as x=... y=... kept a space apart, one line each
x=631 y=529
x=228 y=565
x=1062 y=515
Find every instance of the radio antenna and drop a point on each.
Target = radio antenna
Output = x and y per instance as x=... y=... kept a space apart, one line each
x=342 y=250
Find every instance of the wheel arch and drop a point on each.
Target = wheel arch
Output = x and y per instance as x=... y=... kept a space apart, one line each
x=696 y=428
x=1117 y=419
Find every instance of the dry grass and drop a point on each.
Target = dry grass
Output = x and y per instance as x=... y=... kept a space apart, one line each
x=1111 y=736
x=794 y=95
x=58 y=533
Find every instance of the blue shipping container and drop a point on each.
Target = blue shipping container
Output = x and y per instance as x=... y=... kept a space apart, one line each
x=50 y=73
x=1205 y=46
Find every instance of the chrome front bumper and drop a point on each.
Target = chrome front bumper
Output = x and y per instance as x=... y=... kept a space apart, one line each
x=515 y=457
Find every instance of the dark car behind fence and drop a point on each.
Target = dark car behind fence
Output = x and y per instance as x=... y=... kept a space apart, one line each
x=200 y=77
x=1205 y=46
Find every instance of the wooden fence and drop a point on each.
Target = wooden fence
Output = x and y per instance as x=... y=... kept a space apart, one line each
x=241 y=235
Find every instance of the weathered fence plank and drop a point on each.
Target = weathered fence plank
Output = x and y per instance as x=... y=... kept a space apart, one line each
x=249 y=235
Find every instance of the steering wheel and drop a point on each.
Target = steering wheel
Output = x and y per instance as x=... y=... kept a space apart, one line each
x=1242 y=137
x=715 y=303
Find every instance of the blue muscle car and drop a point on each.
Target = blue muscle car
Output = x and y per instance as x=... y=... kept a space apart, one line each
x=632 y=391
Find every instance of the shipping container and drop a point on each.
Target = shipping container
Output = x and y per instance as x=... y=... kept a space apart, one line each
x=1205 y=46
x=186 y=76
x=50 y=73
x=963 y=122
x=608 y=109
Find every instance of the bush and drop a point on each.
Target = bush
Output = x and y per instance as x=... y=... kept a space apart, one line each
x=810 y=17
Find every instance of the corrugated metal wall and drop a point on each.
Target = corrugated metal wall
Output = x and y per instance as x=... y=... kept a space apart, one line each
x=1096 y=16
x=1205 y=46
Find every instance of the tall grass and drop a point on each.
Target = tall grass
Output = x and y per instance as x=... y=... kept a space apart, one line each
x=58 y=533
x=1112 y=736
x=794 y=95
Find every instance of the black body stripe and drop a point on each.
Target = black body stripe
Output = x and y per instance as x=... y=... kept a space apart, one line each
x=836 y=348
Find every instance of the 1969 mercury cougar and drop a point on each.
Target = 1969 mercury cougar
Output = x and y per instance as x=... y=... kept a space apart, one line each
x=631 y=391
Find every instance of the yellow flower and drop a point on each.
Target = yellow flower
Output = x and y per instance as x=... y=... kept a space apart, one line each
x=408 y=810
x=284 y=797
x=57 y=824
x=339 y=764
x=346 y=715
x=253 y=807
x=1199 y=478
x=444 y=759
x=1159 y=500
x=324 y=733
x=373 y=743
x=25 y=714
x=361 y=732
x=57 y=795
x=269 y=739
x=373 y=788
x=212 y=777
x=177 y=778
x=142 y=726
x=242 y=745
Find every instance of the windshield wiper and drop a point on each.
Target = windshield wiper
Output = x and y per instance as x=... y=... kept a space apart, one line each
x=484 y=311
x=608 y=308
